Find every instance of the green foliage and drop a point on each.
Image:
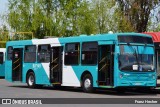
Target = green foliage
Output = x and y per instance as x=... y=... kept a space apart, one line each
x=3 y=36
x=137 y=12
x=121 y=22
x=102 y=14
x=74 y=17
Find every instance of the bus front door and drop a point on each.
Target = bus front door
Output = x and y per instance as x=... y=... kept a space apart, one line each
x=105 y=65
x=56 y=65
x=158 y=66
x=17 y=64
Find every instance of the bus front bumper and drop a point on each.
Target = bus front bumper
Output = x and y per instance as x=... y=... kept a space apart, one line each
x=137 y=84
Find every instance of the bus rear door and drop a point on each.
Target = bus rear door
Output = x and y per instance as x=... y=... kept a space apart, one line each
x=56 y=65
x=17 y=64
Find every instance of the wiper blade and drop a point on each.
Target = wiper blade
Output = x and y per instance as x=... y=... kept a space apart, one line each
x=135 y=52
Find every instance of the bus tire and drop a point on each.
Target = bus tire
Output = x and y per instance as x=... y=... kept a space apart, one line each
x=87 y=83
x=31 y=80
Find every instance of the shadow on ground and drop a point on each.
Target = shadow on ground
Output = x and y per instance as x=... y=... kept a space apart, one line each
x=128 y=92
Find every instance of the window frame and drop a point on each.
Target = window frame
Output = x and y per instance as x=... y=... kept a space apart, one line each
x=9 y=53
x=138 y=39
x=41 y=52
x=30 y=52
x=78 y=51
x=97 y=53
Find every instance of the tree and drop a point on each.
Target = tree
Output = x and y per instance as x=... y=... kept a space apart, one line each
x=137 y=12
x=119 y=23
x=19 y=16
x=102 y=13
x=45 y=17
x=154 y=21
x=75 y=17
x=3 y=36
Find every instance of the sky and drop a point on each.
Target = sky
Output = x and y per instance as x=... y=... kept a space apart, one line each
x=3 y=10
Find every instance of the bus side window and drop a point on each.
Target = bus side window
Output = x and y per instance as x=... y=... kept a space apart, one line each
x=9 y=52
x=1 y=57
x=30 y=53
x=72 y=53
x=89 y=53
x=43 y=53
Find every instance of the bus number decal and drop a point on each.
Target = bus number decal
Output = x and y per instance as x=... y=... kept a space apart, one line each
x=36 y=66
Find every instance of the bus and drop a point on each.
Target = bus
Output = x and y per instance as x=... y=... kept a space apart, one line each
x=156 y=40
x=2 y=62
x=117 y=61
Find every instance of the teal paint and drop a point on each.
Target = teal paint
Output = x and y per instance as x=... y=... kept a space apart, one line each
x=2 y=69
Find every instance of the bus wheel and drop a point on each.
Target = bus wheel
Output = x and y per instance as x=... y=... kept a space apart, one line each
x=87 y=83
x=31 y=80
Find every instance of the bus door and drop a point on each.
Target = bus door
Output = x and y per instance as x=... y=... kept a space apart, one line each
x=56 y=65
x=2 y=64
x=158 y=63
x=17 y=64
x=105 y=65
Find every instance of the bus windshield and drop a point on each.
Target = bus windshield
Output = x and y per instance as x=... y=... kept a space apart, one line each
x=134 y=61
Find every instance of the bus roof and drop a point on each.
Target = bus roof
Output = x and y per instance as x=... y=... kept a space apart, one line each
x=80 y=38
x=155 y=36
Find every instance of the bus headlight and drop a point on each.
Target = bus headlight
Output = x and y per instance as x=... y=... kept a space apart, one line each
x=120 y=76
x=153 y=77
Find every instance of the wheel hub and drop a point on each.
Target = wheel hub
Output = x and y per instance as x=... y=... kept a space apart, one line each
x=87 y=83
x=31 y=80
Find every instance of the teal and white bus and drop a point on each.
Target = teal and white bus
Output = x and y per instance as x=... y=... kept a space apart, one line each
x=2 y=62
x=119 y=60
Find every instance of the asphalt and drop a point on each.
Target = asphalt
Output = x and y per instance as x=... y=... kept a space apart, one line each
x=20 y=90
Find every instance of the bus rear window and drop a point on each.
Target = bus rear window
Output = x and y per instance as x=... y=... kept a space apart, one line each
x=135 y=39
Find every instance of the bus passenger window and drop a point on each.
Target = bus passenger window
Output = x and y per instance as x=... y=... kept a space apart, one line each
x=9 y=52
x=72 y=54
x=44 y=53
x=30 y=54
x=1 y=57
x=89 y=53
